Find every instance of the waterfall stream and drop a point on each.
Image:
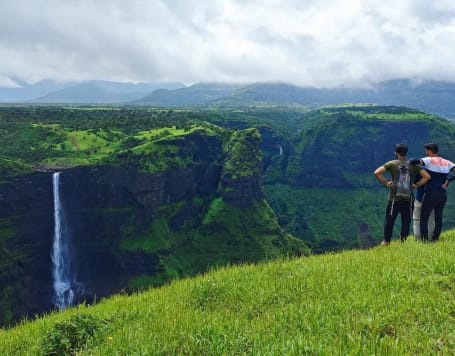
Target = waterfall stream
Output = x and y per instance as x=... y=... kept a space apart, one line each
x=64 y=293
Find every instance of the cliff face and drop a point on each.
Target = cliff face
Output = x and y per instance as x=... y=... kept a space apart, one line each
x=105 y=204
x=354 y=148
x=240 y=177
x=342 y=152
x=26 y=230
x=126 y=226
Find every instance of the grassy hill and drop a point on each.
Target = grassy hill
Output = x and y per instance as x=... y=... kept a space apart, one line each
x=397 y=300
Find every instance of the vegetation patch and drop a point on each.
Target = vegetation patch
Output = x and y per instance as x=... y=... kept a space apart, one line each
x=153 y=240
x=243 y=154
x=10 y=168
x=218 y=234
x=353 y=213
x=67 y=137
x=72 y=336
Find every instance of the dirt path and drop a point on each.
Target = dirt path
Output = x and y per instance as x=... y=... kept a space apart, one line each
x=74 y=143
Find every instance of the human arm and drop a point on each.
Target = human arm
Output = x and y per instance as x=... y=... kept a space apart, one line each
x=422 y=181
x=379 y=174
x=452 y=172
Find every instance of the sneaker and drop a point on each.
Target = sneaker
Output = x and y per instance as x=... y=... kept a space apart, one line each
x=385 y=243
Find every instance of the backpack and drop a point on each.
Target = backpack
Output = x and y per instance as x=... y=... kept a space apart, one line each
x=403 y=181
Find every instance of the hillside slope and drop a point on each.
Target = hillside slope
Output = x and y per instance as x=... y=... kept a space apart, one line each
x=396 y=300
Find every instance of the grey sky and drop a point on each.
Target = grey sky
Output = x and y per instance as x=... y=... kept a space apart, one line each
x=305 y=42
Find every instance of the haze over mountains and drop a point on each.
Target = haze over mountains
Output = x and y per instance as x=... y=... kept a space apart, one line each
x=90 y=92
x=436 y=97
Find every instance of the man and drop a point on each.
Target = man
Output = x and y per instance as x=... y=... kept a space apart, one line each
x=435 y=195
x=416 y=213
x=399 y=204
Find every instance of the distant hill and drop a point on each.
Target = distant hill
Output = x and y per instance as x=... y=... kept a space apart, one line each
x=197 y=94
x=83 y=93
x=434 y=97
x=96 y=91
x=26 y=92
x=104 y=92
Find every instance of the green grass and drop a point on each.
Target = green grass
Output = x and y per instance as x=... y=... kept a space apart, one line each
x=398 y=300
x=404 y=114
x=28 y=145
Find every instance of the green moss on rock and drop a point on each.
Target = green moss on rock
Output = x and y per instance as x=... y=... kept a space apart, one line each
x=243 y=154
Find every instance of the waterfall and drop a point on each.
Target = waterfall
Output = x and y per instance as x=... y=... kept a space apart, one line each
x=64 y=294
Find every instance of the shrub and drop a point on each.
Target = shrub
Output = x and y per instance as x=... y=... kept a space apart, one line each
x=70 y=336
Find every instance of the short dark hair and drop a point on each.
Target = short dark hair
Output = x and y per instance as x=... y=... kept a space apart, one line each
x=432 y=147
x=401 y=149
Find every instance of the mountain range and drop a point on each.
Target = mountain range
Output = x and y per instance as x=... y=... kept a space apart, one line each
x=48 y=91
x=436 y=97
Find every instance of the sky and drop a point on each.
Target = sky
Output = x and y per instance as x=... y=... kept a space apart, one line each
x=322 y=43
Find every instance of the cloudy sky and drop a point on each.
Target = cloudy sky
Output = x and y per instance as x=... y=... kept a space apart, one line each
x=305 y=42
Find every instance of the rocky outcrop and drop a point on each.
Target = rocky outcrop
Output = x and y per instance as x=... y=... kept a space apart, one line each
x=240 y=177
x=241 y=191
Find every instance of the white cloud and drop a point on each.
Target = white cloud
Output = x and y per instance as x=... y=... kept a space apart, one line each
x=313 y=42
